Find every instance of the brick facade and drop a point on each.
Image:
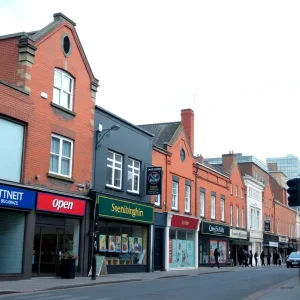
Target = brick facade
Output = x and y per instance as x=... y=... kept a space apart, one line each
x=285 y=220
x=268 y=207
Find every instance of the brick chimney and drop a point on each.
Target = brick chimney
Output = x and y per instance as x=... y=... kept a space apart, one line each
x=187 y=121
x=272 y=167
x=200 y=159
x=227 y=161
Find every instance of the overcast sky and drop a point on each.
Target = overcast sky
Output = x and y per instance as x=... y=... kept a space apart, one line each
x=241 y=60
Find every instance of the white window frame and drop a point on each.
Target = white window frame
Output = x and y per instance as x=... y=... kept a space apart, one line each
x=237 y=216
x=187 y=193
x=202 y=204
x=60 y=156
x=222 y=209
x=213 y=207
x=175 y=187
x=114 y=167
x=236 y=191
x=135 y=173
x=231 y=215
x=241 y=193
x=243 y=225
x=157 y=200
x=61 y=90
x=230 y=188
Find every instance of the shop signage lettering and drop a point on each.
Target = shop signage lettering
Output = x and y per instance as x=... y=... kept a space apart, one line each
x=16 y=197
x=273 y=244
x=60 y=204
x=238 y=234
x=154 y=180
x=126 y=210
x=215 y=229
x=184 y=222
x=284 y=240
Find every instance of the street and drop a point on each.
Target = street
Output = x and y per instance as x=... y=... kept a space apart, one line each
x=236 y=285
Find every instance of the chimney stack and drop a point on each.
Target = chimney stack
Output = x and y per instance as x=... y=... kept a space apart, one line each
x=187 y=121
x=200 y=159
x=227 y=161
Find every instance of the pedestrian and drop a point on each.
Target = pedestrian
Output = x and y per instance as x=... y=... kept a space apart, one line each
x=275 y=257
x=216 y=255
x=262 y=258
x=246 y=257
x=255 y=257
x=280 y=259
x=269 y=259
x=250 y=258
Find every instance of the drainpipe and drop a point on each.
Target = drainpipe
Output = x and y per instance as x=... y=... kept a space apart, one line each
x=196 y=188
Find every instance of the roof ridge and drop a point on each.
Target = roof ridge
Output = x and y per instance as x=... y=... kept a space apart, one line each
x=163 y=123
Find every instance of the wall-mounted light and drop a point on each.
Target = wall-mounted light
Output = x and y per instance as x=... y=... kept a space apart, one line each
x=100 y=134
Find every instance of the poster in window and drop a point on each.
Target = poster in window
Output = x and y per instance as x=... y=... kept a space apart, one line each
x=124 y=243
x=131 y=245
x=182 y=252
x=118 y=244
x=102 y=242
x=111 y=243
x=170 y=251
x=213 y=246
x=140 y=245
x=136 y=245
x=175 y=258
x=223 y=252
x=190 y=254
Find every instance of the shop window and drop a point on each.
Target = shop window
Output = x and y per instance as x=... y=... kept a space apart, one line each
x=71 y=237
x=222 y=246
x=204 y=250
x=122 y=244
x=12 y=226
x=133 y=180
x=11 y=151
x=181 y=248
x=114 y=170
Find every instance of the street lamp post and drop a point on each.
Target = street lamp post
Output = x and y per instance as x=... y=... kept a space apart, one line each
x=100 y=134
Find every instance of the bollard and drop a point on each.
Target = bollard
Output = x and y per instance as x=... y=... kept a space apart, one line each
x=94 y=268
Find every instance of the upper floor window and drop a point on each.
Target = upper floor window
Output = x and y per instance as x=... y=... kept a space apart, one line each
x=174 y=195
x=236 y=191
x=242 y=193
x=187 y=198
x=11 y=150
x=243 y=225
x=231 y=215
x=202 y=204
x=114 y=170
x=133 y=182
x=63 y=89
x=222 y=209
x=237 y=217
x=213 y=207
x=157 y=200
x=230 y=188
x=61 y=156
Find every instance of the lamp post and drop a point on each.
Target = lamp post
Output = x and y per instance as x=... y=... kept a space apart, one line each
x=100 y=134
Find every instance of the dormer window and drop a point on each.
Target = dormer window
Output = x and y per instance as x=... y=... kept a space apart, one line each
x=63 y=89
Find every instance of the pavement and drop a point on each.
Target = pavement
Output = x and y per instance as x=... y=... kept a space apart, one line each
x=205 y=283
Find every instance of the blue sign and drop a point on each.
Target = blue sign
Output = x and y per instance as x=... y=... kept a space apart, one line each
x=16 y=197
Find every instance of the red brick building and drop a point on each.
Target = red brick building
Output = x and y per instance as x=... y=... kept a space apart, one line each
x=47 y=98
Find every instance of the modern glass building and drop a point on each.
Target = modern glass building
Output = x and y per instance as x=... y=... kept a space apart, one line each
x=289 y=165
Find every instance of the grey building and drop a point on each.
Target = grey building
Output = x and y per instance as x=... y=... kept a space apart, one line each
x=124 y=214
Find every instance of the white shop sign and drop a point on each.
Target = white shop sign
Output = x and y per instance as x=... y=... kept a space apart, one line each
x=273 y=244
x=238 y=234
x=283 y=240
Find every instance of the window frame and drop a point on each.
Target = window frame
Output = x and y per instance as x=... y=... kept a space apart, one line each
x=236 y=191
x=61 y=139
x=222 y=209
x=231 y=215
x=243 y=224
x=133 y=168
x=237 y=217
x=157 y=203
x=113 y=167
x=61 y=90
x=231 y=189
x=213 y=207
x=187 y=198
x=175 y=195
x=202 y=203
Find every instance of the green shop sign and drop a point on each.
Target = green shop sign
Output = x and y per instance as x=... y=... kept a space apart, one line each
x=124 y=210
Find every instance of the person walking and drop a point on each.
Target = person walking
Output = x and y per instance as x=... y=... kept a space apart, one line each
x=255 y=257
x=280 y=259
x=250 y=258
x=269 y=259
x=262 y=258
x=216 y=255
x=246 y=257
x=275 y=257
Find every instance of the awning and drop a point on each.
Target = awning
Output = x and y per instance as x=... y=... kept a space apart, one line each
x=240 y=242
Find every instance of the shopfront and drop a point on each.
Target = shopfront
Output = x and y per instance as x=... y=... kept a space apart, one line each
x=181 y=242
x=58 y=230
x=16 y=205
x=213 y=236
x=239 y=242
x=283 y=244
x=159 y=251
x=124 y=234
x=270 y=244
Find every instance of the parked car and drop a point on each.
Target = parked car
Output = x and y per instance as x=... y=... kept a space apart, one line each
x=293 y=260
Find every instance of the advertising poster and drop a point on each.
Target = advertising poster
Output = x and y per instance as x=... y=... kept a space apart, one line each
x=118 y=244
x=223 y=252
x=140 y=245
x=190 y=256
x=213 y=246
x=182 y=253
x=102 y=242
x=111 y=243
x=170 y=251
x=131 y=245
x=124 y=243
x=136 y=245
x=175 y=258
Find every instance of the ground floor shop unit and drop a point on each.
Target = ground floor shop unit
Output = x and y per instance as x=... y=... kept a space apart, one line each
x=124 y=234
x=37 y=231
x=159 y=251
x=239 y=242
x=181 y=242
x=256 y=241
x=270 y=245
x=212 y=236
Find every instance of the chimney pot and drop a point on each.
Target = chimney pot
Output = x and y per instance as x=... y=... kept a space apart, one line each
x=187 y=121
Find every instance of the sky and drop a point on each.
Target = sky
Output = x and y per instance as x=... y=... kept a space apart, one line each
x=235 y=63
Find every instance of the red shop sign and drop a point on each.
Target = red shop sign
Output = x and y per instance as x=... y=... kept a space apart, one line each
x=60 y=204
x=184 y=222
